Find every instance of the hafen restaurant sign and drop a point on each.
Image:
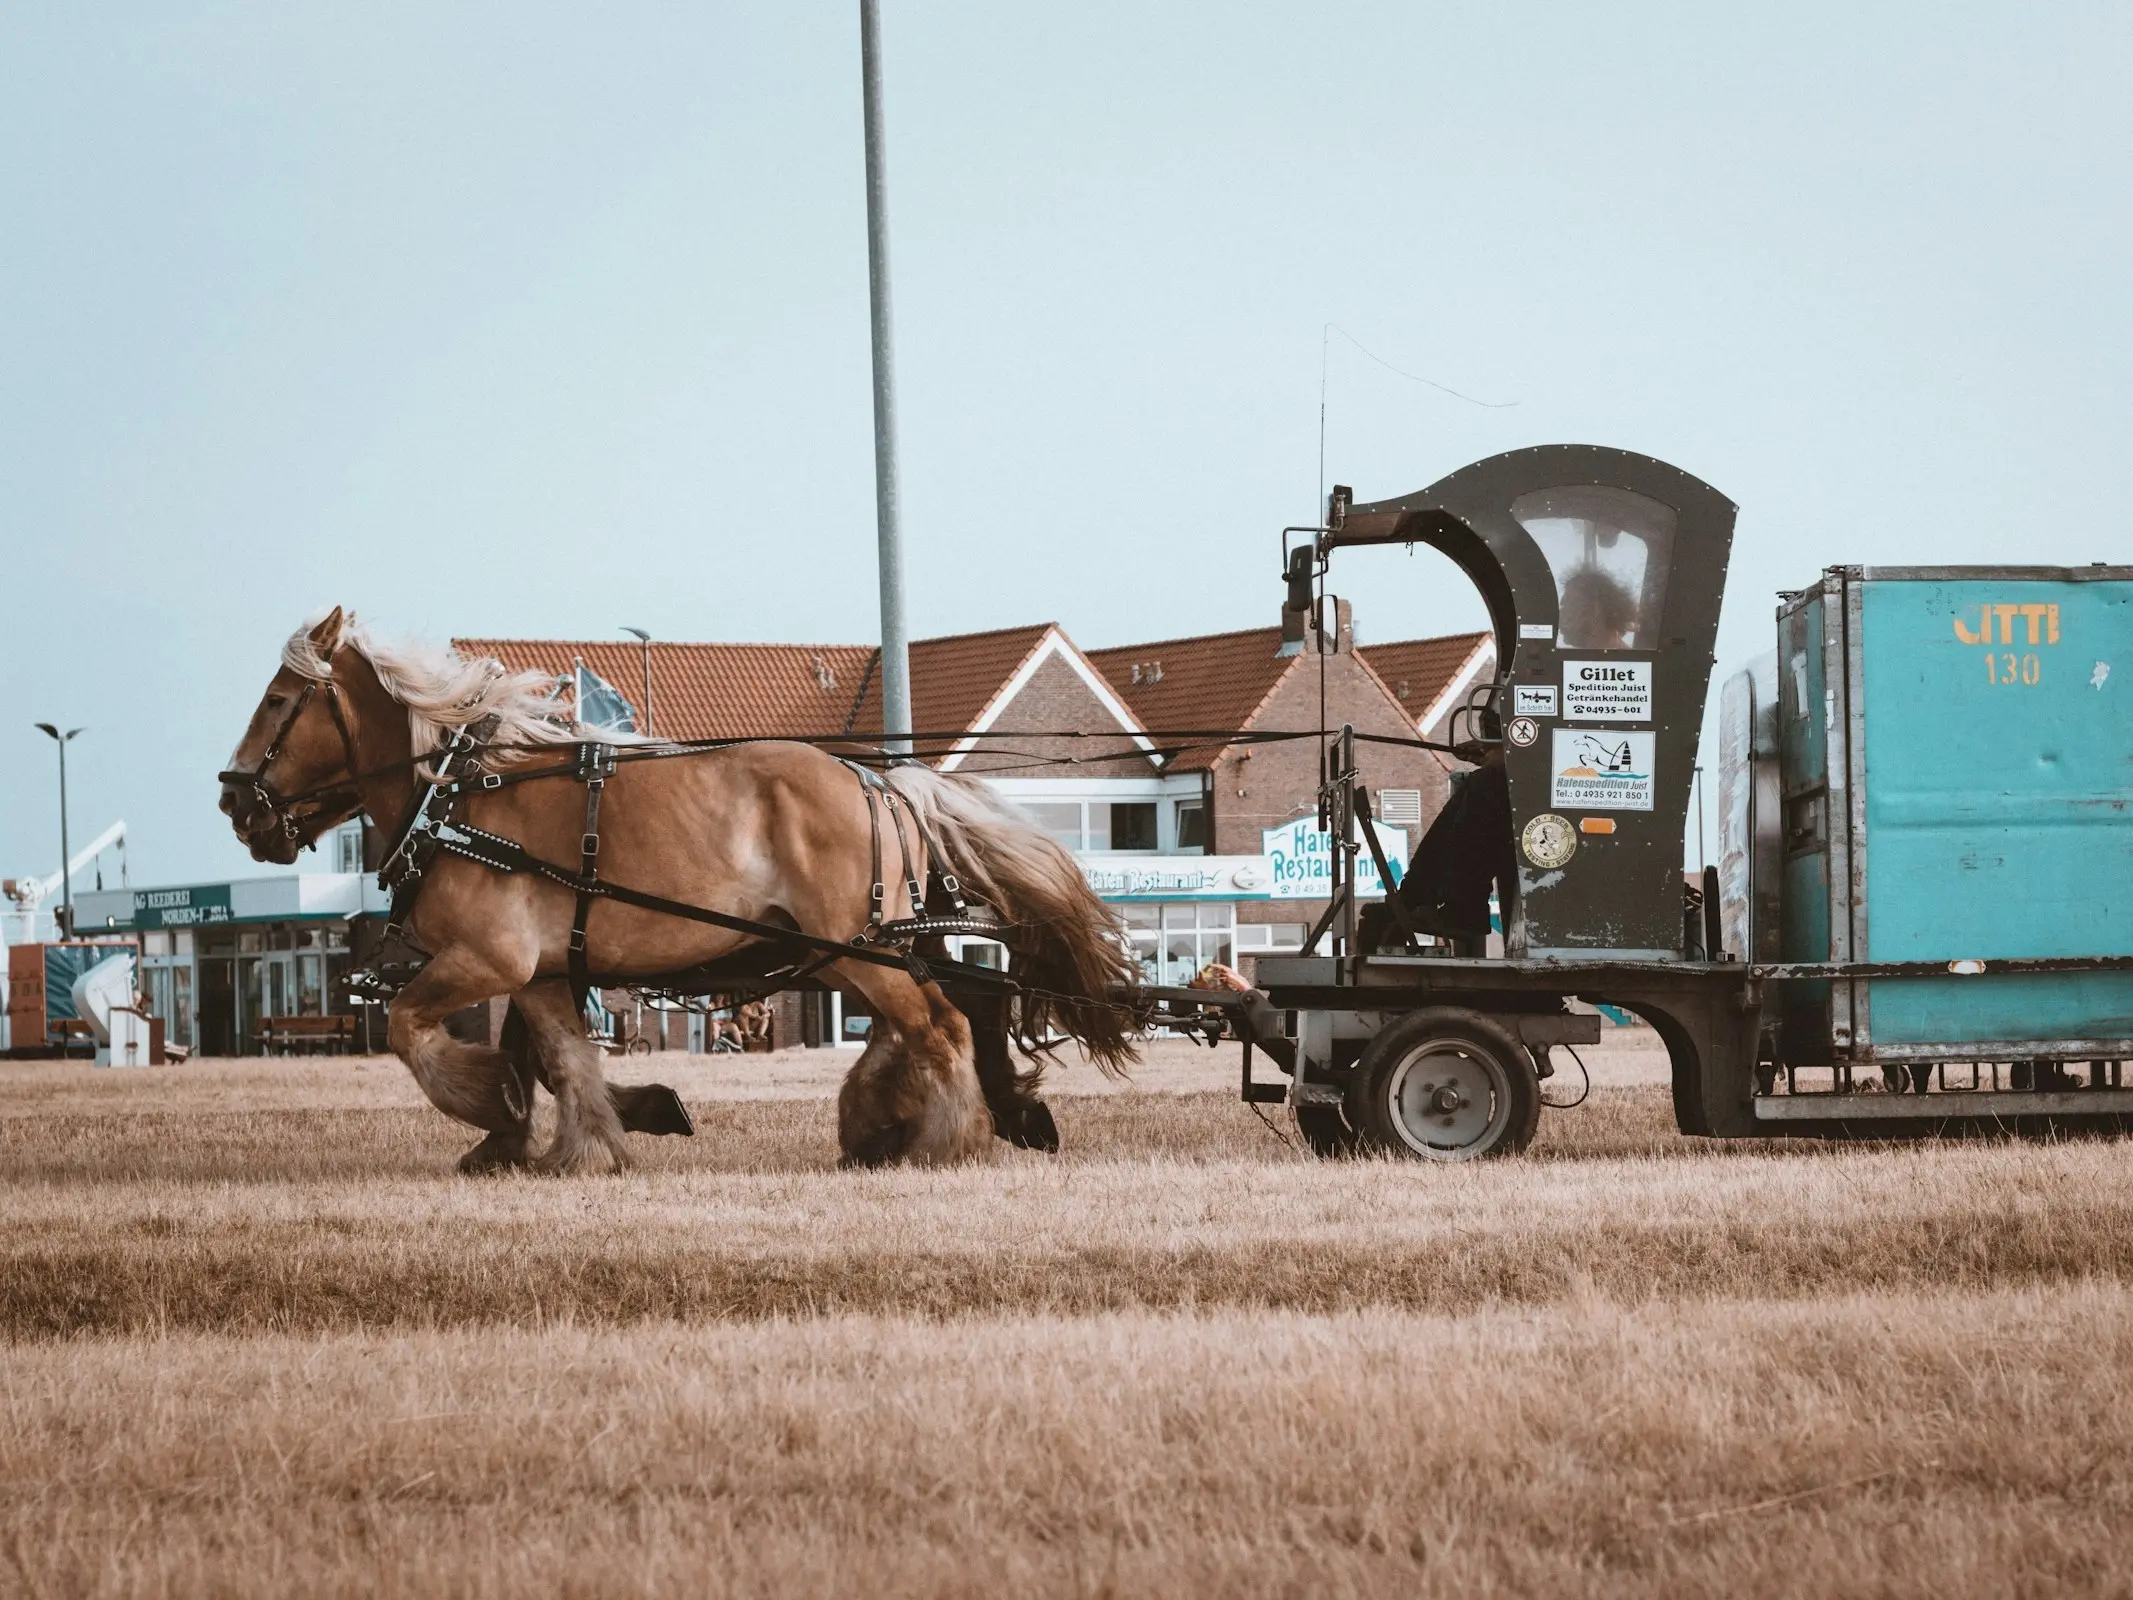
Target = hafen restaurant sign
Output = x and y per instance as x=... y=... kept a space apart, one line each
x=1301 y=859
x=1177 y=877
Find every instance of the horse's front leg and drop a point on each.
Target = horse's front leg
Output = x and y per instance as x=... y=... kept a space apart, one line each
x=641 y=1107
x=586 y=1117
x=472 y=1082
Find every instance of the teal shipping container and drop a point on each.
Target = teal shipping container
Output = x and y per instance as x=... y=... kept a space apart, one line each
x=1954 y=754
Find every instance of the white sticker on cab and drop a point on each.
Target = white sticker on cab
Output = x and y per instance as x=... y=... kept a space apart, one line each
x=1607 y=691
x=1602 y=769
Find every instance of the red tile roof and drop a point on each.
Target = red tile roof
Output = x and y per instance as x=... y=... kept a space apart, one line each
x=727 y=691
x=736 y=691
x=710 y=691
x=1416 y=671
x=1215 y=681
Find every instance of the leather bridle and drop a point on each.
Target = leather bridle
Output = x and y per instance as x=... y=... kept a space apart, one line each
x=291 y=812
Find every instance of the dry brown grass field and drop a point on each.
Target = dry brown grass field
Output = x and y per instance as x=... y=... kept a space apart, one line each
x=259 y=1340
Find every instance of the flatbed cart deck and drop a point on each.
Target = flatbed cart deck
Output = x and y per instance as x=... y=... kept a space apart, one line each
x=1710 y=1015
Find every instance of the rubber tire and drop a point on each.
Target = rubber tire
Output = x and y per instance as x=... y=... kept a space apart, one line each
x=1326 y=1130
x=1378 y=1074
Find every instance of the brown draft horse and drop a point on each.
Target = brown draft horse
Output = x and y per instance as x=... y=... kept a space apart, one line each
x=773 y=832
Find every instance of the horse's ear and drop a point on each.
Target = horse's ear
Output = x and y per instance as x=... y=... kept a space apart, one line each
x=326 y=637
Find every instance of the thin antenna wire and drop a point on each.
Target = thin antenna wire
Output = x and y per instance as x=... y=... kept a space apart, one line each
x=1318 y=506
x=1411 y=377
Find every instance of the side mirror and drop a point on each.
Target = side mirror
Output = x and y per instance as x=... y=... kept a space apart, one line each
x=1296 y=610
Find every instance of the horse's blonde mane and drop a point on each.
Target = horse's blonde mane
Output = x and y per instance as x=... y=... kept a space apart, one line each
x=443 y=691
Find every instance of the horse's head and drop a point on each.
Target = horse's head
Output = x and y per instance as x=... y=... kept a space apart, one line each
x=293 y=775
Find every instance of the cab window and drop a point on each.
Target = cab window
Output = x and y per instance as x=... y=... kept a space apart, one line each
x=1610 y=551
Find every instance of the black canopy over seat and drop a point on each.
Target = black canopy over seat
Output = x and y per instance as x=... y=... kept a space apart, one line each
x=1602 y=571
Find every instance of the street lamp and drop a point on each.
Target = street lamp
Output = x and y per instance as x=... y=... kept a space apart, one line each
x=644 y=641
x=66 y=868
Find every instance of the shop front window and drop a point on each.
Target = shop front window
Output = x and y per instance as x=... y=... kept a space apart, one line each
x=1144 y=928
x=1610 y=551
x=311 y=984
x=1195 y=933
x=170 y=996
x=251 y=1002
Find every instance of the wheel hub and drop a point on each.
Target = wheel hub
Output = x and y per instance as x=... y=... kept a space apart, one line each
x=1449 y=1101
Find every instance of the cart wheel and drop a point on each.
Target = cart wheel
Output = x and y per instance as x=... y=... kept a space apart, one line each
x=639 y=1046
x=1447 y=1085
x=1325 y=1129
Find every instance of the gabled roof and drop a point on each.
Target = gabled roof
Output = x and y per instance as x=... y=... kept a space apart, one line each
x=955 y=679
x=1417 y=672
x=1212 y=682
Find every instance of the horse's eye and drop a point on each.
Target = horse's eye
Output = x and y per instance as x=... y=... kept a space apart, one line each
x=277 y=701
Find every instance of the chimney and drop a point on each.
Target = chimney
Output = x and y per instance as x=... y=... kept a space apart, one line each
x=1343 y=628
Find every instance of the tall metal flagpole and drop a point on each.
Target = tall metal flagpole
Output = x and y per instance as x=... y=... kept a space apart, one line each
x=66 y=860
x=895 y=642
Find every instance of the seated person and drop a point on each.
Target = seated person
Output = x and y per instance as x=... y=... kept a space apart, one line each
x=1597 y=612
x=1446 y=889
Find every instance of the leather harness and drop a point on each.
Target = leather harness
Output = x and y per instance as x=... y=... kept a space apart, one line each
x=434 y=828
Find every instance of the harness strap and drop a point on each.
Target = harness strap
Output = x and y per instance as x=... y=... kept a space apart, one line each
x=875 y=908
x=912 y=886
x=418 y=842
x=595 y=764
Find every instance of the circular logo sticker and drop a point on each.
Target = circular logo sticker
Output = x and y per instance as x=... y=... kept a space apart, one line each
x=1523 y=731
x=1549 y=840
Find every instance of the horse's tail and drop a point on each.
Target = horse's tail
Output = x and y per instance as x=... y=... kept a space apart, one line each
x=1065 y=941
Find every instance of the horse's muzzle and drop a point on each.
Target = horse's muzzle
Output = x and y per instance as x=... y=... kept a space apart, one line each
x=255 y=823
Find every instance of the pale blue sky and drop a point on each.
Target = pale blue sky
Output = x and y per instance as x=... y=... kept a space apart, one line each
x=526 y=320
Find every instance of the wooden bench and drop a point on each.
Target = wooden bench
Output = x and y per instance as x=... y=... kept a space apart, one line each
x=71 y=1036
x=281 y=1036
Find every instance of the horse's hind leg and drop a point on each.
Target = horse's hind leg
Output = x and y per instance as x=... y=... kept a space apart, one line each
x=1018 y=1116
x=585 y=1114
x=472 y=1082
x=914 y=1094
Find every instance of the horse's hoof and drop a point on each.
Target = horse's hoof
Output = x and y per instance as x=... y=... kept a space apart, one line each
x=877 y=1149
x=651 y=1108
x=1037 y=1131
x=568 y=1163
x=500 y=1152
